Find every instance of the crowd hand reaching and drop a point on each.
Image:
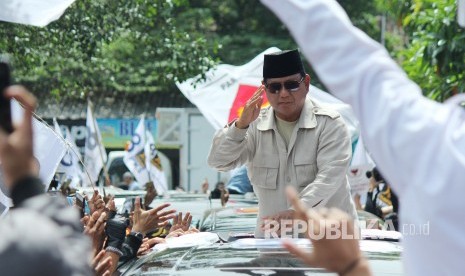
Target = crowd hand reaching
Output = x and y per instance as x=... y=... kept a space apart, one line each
x=192 y=230
x=340 y=255
x=16 y=148
x=110 y=207
x=147 y=244
x=224 y=197
x=181 y=223
x=96 y=203
x=179 y=232
x=251 y=109
x=176 y=233
x=150 y=195
x=205 y=186
x=144 y=221
x=273 y=223
x=101 y=265
x=107 y=181
x=94 y=226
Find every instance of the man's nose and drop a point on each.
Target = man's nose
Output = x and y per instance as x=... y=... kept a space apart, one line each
x=283 y=92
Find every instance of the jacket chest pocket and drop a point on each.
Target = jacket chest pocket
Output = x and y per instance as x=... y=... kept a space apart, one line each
x=264 y=173
x=305 y=169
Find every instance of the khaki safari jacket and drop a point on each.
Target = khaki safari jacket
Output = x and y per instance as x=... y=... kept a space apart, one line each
x=315 y=162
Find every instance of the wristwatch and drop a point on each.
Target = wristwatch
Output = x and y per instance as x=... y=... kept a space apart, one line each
x=138 y=235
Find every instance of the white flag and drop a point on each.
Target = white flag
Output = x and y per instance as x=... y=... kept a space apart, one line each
x=134 y=157
x=227 y=88
x=33 y=12
x=69 y=165
x=142 y=160
x=153 y=165
x=136 y=146
x=360 y=164
x=49 y=148
x=95 y=155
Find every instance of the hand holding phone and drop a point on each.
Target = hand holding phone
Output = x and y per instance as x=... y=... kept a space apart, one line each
x=81 y=203
x=5 y=108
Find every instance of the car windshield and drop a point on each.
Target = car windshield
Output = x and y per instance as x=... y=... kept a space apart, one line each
x=265 y=257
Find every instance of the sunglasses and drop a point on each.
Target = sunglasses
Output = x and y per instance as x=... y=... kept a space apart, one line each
x=290 y=85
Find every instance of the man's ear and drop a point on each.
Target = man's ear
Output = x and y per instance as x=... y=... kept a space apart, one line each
x=307 y=81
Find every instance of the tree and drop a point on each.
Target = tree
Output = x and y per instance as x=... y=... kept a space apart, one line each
x=104 y=46
x=434 y=53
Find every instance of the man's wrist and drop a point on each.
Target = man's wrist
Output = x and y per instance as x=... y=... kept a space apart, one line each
x=359 y=267
x=114 y=250
x=137 y=229
x=238 y=125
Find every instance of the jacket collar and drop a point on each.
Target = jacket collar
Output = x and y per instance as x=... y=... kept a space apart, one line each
x=307 y=118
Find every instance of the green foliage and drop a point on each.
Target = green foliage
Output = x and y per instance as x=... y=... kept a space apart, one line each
x=144 y=46
x=243 y=28
x=105 y=46
x=434 y=55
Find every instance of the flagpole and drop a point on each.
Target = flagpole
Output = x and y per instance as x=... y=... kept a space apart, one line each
x=105 y=171
x=145 y=139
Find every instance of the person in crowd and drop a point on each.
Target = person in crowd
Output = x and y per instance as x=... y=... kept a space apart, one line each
x=381 y=200
x=220 y=192
x=239 y=182
x=129 y=183
x=42 y=234
x=205 y=187
x=219 y=189
x=295 y=141
x=418 y=144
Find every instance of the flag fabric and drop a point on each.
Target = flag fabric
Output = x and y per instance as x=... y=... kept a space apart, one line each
x=360 y=164
x=153 y=165
x=221 y=97
x=33 y=12
x=145 y=169
x=134 y=157
x=137 y=143
x=95 y=154
x=69 y=165
x=49 y=148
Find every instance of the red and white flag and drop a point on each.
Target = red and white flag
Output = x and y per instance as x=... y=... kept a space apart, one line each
x=227 y=88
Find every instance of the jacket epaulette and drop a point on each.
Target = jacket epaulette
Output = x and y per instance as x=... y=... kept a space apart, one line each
x=333 y=114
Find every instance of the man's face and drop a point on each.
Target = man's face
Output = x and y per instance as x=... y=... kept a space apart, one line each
x=127 y=180
x=287 y=103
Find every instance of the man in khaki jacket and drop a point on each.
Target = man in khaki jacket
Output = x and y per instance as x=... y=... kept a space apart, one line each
x=294 y=142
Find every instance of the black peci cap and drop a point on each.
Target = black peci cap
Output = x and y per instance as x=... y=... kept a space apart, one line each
x=282 y=64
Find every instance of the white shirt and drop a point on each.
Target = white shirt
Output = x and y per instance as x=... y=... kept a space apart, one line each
x=418 y=144
x=134 y=186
